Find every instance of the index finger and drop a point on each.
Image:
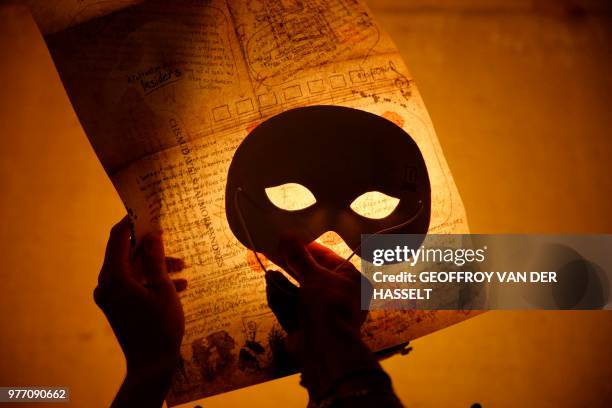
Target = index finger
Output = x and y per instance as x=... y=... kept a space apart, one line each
x=332 y=261
x=325 y=256
x=117 y=256
x=299 y=260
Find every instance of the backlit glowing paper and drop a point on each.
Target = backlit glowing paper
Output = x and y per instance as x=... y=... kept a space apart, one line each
x=166 y=91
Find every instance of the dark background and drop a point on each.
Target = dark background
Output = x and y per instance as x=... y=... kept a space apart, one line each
x=519 y=93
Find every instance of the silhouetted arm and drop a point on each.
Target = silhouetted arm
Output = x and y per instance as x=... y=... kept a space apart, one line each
x=323 y=318
x=141 y=303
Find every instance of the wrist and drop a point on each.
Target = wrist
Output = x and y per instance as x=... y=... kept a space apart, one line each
x=156 y=373
x=149 y=375
x=145 y=385
x=137 y=390
x=158 y=366
x=332 y=354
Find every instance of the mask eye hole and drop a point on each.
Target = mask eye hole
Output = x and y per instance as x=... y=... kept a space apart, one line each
x=374 y=205
x=290 y=196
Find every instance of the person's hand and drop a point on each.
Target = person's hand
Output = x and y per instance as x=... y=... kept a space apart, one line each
x=322 y=316
x=141 y=303
x=329 y=294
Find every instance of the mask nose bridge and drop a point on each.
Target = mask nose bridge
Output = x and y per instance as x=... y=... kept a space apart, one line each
x=323 y=220
x=339 y=222
x=335 y=214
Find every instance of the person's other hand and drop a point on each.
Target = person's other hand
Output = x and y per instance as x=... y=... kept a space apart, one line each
x=141 y=303
x=323 y=315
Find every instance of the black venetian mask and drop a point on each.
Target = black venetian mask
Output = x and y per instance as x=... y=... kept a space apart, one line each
x=311 y=170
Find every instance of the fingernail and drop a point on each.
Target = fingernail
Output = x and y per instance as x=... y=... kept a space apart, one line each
x=180 y=285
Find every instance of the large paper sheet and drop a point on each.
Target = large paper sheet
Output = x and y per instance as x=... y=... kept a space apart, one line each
x=166 y=91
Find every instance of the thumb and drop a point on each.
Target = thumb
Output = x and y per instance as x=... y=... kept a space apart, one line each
x=298 y=259
x=154 y=260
